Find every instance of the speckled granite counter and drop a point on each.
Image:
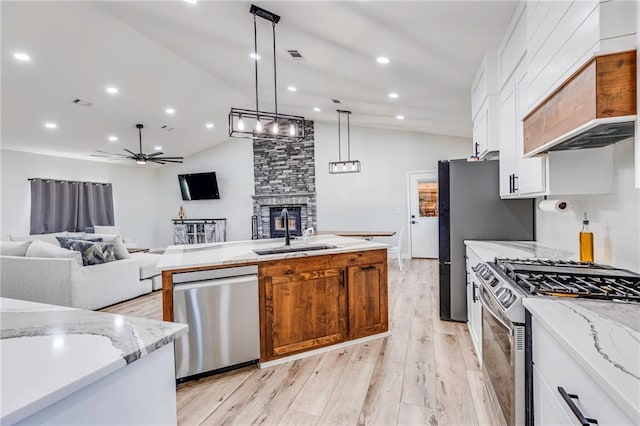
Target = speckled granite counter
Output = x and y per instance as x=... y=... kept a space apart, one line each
x=48 y=352
x=603 y=338
x=489 y=250
x=235 y=252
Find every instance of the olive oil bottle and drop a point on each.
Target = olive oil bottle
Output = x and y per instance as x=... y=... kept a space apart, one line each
x=586 y=241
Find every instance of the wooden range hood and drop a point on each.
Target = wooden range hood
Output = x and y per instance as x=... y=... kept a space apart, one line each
x=594 y=108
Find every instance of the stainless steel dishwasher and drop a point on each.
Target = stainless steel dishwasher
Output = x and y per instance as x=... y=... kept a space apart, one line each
x=221 y=308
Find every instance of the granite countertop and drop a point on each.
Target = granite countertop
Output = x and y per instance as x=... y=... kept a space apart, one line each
x=603 y=338
x=489 y=250
x=235 y=252
x=49 y=352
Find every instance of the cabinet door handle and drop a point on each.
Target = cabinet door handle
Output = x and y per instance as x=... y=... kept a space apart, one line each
x=511 y=184
x=477 y=146
x=515 y=188
x=568 y=398
x=474 y=287
x=364 y=268
x=342 y=278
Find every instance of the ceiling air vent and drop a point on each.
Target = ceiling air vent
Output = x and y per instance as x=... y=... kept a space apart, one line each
x=81 y=102
x=336 y=101
x=295 y=54
x=167 y=128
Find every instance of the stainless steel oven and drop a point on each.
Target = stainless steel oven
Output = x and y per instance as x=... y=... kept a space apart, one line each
x=503 y=343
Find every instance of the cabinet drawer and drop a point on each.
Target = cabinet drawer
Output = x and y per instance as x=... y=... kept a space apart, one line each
x=558 y=368
x=546 y=407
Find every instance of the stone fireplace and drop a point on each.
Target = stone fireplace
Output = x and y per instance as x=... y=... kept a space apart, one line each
x=285 y=177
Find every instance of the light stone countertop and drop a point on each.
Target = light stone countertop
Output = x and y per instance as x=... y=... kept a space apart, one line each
x=489 y=250
x=236 y=252
x=48 y=352
x=603 y=338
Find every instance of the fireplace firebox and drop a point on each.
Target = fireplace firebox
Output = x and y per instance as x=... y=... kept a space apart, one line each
x=277 y=224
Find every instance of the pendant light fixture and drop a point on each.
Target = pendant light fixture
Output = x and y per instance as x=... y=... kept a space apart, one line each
x=349 y=166
x=264 y=125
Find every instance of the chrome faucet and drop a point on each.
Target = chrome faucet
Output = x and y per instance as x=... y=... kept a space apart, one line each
x=284 y=215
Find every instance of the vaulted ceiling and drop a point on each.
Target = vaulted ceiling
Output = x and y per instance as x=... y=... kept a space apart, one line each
x=194 y=58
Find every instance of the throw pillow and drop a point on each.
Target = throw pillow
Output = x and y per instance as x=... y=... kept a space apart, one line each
x=64 y=241
x=93 y=253
x=41 y=249
x=10 y=248
x=119 y=248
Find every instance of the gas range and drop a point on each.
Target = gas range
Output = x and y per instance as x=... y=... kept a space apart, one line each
x=510 y=280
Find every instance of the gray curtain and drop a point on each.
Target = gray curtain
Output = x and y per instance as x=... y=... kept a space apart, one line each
x=58 y=206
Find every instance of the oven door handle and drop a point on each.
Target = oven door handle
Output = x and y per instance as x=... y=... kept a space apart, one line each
x=485 y=305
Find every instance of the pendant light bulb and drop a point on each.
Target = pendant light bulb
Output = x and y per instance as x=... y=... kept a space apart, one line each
x=274 y=129
x=292 y=130
x=258 y=127
x=240 y=123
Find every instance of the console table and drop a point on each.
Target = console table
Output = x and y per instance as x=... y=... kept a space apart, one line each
x=194 y=231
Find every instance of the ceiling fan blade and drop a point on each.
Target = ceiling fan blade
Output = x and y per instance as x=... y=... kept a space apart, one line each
x=172 y=158
x=132 y=153
x=155 y=154
x=167 y=161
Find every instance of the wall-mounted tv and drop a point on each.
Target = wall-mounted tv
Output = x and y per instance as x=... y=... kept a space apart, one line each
x=199 y=186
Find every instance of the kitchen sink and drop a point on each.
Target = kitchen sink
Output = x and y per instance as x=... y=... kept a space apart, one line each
x=292 y=249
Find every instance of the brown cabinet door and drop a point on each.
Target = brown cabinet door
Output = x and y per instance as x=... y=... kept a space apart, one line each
x=304 y=310
x=367 y=299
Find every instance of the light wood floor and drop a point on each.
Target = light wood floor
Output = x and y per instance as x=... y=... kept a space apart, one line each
x=426 y=372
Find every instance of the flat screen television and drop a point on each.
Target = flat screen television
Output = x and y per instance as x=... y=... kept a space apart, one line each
x=199 y=186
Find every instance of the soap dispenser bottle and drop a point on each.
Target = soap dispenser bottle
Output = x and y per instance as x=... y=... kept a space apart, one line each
x=586 y=241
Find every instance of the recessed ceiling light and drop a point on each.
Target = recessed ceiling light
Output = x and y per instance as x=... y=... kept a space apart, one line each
x=254 y=56
x=113 y=139
x=382 y=60
x=170 y=111
x=400 y=117
x=316 y=109
x=292 y=88
x=209 y=125
x=157 y=148
x=50 y=125
x=394 y=95
x=21 y=56
x=191 y=1
x=112 y=90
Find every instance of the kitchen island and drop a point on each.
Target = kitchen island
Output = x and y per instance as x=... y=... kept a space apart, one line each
x=307 y=299
x=64 y=365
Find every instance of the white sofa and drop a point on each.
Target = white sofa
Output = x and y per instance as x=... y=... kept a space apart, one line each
x=63 y=281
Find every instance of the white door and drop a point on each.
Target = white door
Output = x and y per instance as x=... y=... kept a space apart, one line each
x=423 y=211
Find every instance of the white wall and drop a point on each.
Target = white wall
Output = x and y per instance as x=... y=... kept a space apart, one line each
x=376 y=198
x=233 y=163
x=134 y=191
x=615 y=218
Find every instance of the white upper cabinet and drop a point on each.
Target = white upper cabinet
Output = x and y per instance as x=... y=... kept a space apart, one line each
x=587 y=171
x=484 y=107
x=561 y=36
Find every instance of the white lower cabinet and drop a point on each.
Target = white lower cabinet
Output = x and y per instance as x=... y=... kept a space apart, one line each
x=474 y=308
x=554 y=369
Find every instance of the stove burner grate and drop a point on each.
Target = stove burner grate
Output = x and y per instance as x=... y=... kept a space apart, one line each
x=572 y=279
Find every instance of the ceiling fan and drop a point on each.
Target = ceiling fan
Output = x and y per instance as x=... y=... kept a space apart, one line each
x=140 y=157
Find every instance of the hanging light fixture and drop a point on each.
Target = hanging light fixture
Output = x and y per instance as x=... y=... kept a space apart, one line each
x=349 y=166
x=268 y=125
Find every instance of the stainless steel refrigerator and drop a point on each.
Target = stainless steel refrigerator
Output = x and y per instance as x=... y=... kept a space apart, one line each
x=470 y=208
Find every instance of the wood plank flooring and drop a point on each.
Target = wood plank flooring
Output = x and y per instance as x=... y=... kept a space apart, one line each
x=425 y=373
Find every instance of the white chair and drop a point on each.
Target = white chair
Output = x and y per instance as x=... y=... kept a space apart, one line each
x=397 y=249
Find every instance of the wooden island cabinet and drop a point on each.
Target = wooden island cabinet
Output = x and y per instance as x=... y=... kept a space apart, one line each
x=310 y=302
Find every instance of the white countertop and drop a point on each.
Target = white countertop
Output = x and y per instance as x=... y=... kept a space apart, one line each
x=489 y=250
x=603 y=338
x=48 y=352
x=234 y=252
